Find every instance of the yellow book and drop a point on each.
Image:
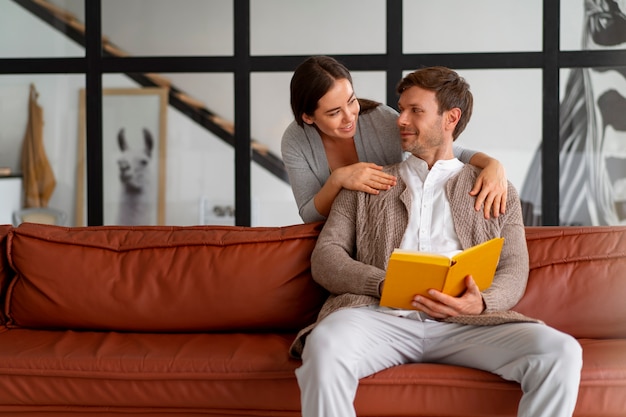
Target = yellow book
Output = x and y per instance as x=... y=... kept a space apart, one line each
x=410 y=272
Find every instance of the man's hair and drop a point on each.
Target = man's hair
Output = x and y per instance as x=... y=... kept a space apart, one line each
x=451 y=91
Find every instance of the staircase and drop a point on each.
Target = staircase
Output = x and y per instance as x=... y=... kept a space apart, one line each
x=194 y=109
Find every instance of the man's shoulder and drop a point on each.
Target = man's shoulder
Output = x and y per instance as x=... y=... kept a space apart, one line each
x=392 y=169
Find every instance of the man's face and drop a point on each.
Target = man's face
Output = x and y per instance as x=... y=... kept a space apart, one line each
x=421 y=125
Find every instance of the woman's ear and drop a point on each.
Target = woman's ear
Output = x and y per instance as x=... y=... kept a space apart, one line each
x=307 y=119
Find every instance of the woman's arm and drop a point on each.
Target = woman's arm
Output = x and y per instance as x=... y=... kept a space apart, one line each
x=490 y=187
x=314 y=188
x=303 y=176
x=362 y=176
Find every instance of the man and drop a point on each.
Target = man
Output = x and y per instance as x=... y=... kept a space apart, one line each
x=429 y=209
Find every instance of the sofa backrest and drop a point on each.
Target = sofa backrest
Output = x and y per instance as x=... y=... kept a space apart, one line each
x=216 y=278
x=162 y=279
x=577 y=280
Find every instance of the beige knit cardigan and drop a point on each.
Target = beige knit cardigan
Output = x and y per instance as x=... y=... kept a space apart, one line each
x=351 y=254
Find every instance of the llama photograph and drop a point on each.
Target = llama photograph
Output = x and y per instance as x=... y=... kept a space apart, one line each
x=133 y=156
x=136 y=175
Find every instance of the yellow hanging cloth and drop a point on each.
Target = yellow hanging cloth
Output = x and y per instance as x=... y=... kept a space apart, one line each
x=37 y=176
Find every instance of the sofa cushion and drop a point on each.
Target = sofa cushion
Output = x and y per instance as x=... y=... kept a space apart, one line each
x=83 y=373
x=577 y=280
x=162 y=278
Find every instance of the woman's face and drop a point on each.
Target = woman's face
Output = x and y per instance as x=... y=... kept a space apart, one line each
x=337 y=112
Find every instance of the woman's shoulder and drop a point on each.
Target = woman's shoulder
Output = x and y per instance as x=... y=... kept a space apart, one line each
x=297 y=136
x=292 y=131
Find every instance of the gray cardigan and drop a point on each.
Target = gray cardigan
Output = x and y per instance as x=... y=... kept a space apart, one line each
x=377 y=140
x=351 y=254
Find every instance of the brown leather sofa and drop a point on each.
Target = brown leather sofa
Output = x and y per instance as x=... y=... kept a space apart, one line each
x=174 y=321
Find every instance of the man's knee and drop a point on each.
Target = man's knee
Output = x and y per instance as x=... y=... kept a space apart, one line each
x=571 y=353
x=563 y=354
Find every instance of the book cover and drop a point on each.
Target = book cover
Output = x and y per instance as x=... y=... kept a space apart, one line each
x=410 y=272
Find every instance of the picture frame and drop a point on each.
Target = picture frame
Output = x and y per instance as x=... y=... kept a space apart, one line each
x=134 y=132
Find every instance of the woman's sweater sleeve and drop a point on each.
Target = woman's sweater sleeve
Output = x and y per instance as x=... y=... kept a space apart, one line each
x=304 y=183
x=464 y=155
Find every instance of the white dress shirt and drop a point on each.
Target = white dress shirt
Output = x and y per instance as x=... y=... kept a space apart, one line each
x=430 y=227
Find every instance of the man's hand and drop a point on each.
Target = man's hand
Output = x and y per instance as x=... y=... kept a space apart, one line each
x=442 y=306
x=364 y=176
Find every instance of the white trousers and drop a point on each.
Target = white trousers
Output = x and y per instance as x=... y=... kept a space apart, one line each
x=353 y=343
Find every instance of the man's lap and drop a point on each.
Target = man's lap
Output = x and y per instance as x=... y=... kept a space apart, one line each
x=372 y=341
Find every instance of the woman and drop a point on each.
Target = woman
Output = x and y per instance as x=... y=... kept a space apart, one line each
x=338 y=141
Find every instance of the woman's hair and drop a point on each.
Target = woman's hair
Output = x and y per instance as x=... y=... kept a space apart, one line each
x=451 y=91
x=312 y=80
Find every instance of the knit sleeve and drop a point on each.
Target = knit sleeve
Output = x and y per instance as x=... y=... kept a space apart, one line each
x=333 y=263
x=463 y=155
x=472 y=228
x=303 y=171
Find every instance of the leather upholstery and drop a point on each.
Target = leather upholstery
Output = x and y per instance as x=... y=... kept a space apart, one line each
x=198 y=320
x=577 y=280
x=162 y=279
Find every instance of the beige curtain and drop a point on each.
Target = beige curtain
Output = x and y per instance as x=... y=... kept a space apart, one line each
x=38 y=178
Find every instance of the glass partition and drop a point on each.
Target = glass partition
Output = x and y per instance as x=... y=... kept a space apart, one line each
x=279 y=27
x=447 y=26
x=41 y=113
x=592 y=146
x=32 y=37
x=174 y=28
x=163 y=162
x=593 y=25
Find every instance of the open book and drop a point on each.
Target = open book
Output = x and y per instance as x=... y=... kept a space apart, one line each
x=410 y=272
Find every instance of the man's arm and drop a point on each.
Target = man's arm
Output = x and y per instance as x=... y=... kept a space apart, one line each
x=509 y=282
x=333 y=263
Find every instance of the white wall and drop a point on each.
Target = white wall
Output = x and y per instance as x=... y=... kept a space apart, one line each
x=506 y=121
x=58 y=96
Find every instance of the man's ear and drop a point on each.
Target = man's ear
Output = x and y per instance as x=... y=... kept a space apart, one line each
x=307 y=119
x=453 y=116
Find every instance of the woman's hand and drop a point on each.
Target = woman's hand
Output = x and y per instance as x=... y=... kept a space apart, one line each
x=490 y=189
x=364 y=176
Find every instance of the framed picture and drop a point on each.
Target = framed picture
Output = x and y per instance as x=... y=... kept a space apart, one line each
x=133 y=156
